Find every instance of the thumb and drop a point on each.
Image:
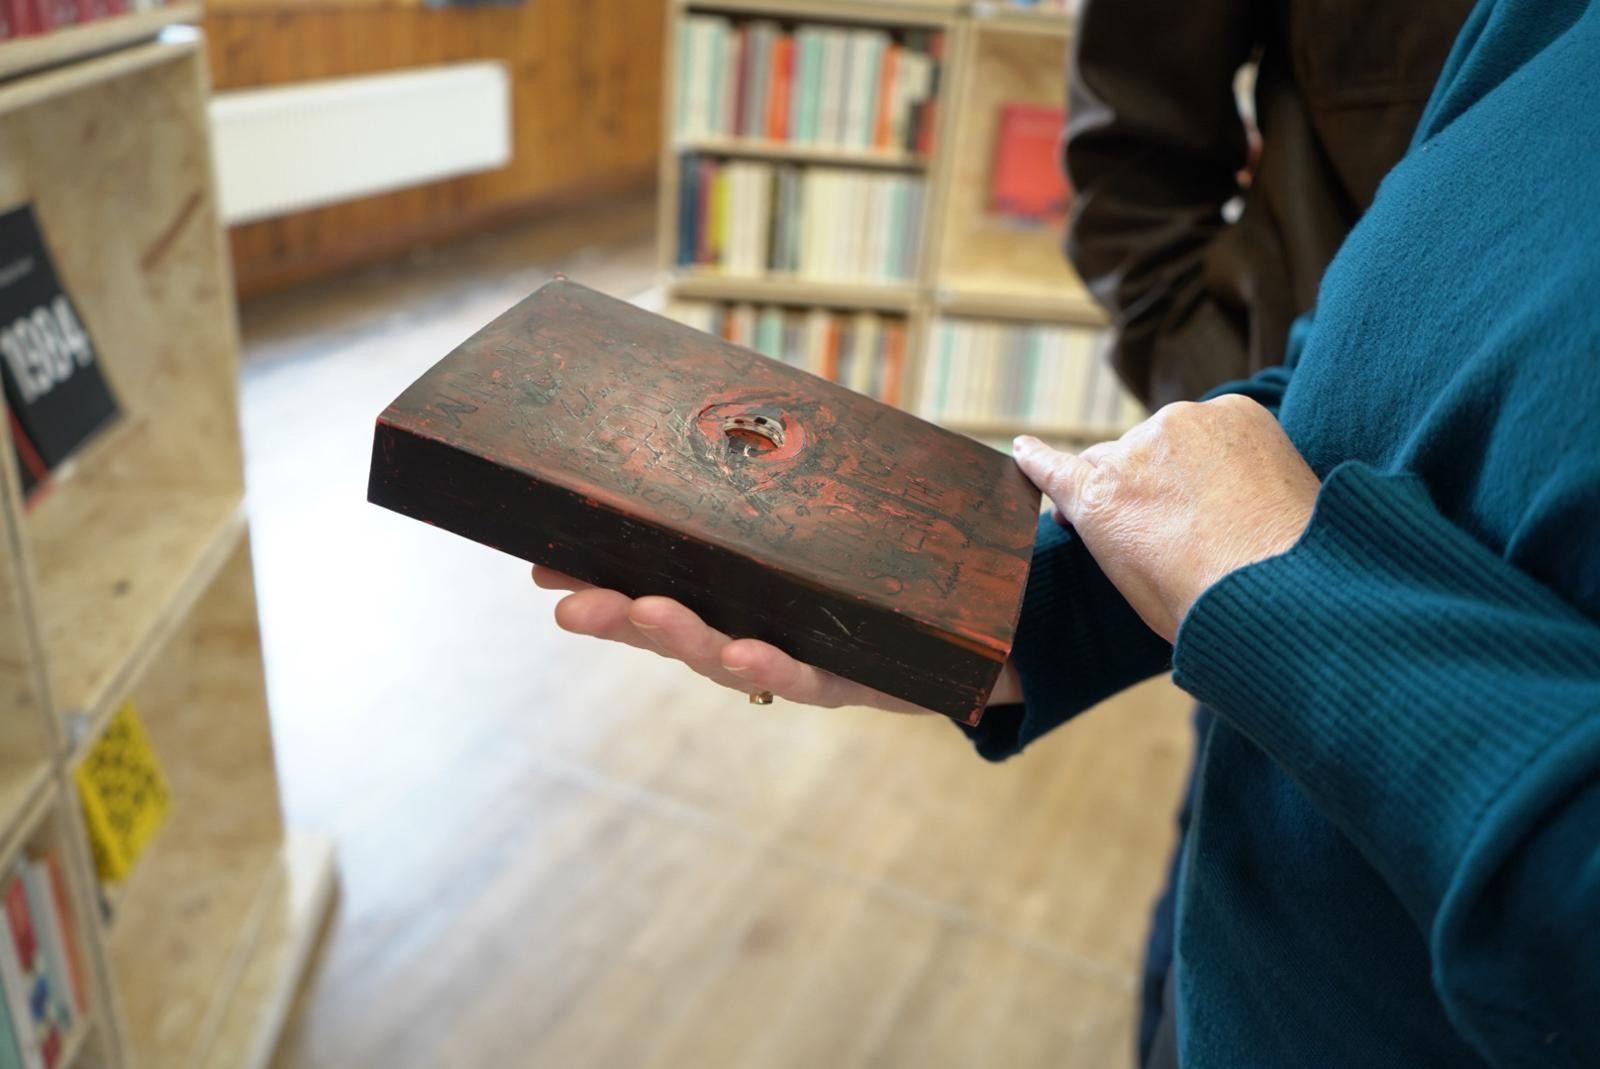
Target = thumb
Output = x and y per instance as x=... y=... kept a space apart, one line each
x=1059 y=474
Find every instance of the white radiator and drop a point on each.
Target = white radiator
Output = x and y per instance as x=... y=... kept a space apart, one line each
x=298 y=146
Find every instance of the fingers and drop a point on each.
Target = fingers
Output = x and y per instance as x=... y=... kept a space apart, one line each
x=668 y=628
x=600 y=614
x=550 y=579
x=676 y=631
x=1060 y=475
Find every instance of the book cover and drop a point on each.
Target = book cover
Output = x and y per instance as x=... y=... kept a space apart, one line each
x=782 y=88
x=14 y=986
x=627 y=450
x=57 y=396
x=42 y=1004
x=52 y=943
x=1026 y=183
x=124 y=794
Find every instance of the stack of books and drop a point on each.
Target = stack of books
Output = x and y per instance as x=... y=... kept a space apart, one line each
x=1067 y=7
x=863 y=89
x=1034 y=377
x=864 y=351
x=752 y=218
x=25 y=18
x=41 y=966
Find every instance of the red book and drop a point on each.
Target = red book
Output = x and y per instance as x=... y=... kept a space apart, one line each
x=7 y=30
x=782 y=88
x=703 y=191
x=627 y=450
x=20 y=922
x=1027 y=183
x=62 y=13
x=886 y=89
x=90 y=10
x=894 y=358
x=830 y=350
x=24 y=17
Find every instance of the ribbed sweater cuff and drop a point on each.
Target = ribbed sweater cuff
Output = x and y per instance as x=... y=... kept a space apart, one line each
x=1398 y=669
x=1077 y=642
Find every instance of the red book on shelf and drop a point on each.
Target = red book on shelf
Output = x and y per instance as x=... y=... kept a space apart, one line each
x=62 y=13
x=20 y=922
x=1027 y=183
x=24 y=20
x=881 y=128
x=894 y=359
x=830 y=350
x=90 y=10
x=702 y=214
x=627 y=450
x=782 y=88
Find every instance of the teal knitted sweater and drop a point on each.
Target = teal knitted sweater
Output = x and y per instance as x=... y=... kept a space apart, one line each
x=1395 y=852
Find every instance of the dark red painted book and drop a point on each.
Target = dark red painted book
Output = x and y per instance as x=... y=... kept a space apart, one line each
x=630 y=451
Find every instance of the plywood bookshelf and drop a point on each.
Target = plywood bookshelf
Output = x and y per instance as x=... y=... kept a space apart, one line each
x=129 y=577
x=972 y=265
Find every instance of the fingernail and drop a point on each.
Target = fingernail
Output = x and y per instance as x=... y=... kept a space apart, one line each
x=645 y=627
x=737 y=671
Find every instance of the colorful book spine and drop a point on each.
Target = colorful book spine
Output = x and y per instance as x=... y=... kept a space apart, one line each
x=752 y=218
x=1042 y=377
x=865 y=351
x=828 y=86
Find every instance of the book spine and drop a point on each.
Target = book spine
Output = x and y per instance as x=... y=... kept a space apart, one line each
x=883 y=117
x=778 y=107
x=14 y=985
x=52 y=940
x=19 y=977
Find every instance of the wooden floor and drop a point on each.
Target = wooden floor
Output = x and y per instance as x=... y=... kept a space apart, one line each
x=559 y=854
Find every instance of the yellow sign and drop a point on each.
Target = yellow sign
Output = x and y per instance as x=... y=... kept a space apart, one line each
x=125 y=795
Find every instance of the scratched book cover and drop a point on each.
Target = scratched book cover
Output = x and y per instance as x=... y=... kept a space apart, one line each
x=627 y=450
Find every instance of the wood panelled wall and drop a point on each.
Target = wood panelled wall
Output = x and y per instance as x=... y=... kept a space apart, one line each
x=586 y=107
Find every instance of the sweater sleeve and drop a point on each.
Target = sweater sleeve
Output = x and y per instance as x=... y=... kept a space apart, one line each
x=1078 y=642
x=1443 y=708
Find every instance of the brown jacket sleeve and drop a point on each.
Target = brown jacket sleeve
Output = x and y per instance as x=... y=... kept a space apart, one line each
x=1153 y=146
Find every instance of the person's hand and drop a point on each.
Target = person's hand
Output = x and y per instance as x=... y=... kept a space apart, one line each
x=663 y=626
x=1189 y=495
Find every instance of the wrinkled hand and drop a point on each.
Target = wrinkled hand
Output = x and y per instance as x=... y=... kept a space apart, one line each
x=1189 y=495
x=664 y=626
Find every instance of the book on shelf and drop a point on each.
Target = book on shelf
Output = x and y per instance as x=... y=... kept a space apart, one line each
x=56 y=396
x=1043 y=377
x=1027 y=184
x=34 y=966
x=124 y=794
x=824 y=86
x=753 y=218
x=864 y=351
x=27 y=18
x=631 y=451
x=1063 y=7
